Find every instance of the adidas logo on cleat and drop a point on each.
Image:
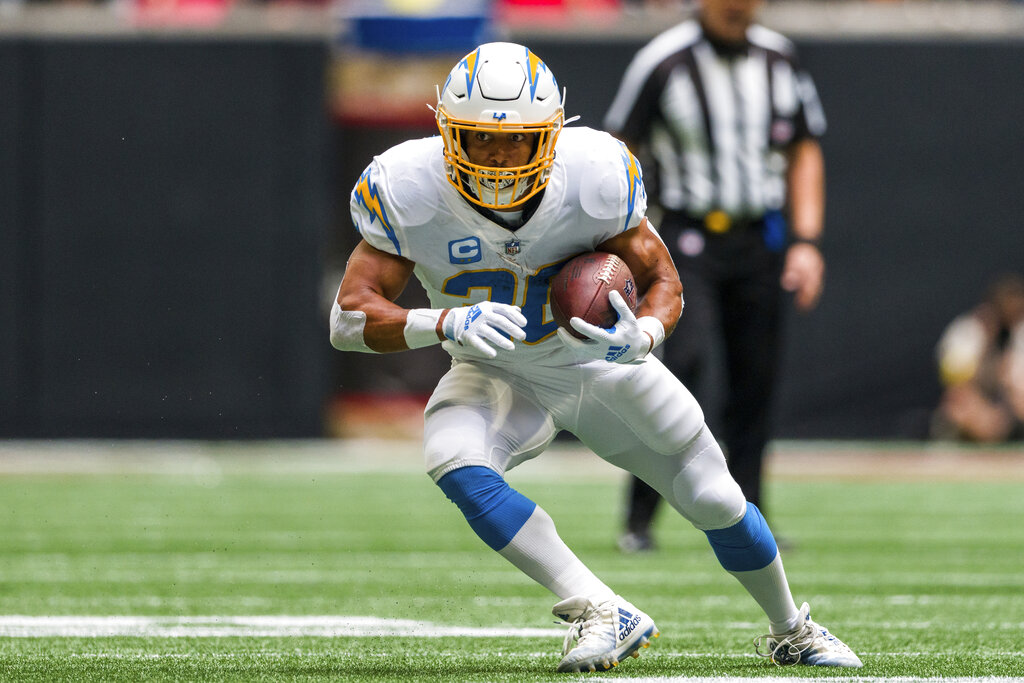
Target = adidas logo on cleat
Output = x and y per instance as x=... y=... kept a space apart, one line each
x=627 y=622
x=602 y=636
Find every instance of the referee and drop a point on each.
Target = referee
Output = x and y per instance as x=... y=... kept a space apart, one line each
x=728 y=123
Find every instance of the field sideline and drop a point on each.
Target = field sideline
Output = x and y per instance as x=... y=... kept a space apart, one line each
x=338 y=560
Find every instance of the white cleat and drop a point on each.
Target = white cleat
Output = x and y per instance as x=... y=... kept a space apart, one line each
x=809 y=644
x=603 y=634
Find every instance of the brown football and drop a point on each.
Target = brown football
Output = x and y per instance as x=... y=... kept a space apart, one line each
x=580 y=289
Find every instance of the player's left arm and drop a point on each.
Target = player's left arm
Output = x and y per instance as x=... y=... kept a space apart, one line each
x=659 y=291
x=804 y=269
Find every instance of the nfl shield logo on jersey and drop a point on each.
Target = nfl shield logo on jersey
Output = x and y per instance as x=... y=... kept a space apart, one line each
x=512 y=247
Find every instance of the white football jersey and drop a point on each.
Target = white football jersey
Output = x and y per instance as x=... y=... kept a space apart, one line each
x=403 y=204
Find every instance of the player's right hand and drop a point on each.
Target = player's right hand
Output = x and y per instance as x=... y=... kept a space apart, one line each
x=485 y=327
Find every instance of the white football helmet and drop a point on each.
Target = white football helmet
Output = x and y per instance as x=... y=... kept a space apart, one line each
x=499 y=88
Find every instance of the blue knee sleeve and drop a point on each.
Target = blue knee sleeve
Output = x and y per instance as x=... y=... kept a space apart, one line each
x=494 y=511
x=745 y=546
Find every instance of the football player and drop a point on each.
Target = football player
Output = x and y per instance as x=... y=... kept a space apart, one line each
x=483 y=215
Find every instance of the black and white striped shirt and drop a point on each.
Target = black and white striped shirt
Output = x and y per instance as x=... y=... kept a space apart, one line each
x=717 y=120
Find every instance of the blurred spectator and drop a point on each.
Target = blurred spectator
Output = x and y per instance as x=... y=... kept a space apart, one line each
x=981 y=364
x=554 y=12
x=193 y=13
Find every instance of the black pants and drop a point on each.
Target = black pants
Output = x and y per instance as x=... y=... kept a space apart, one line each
x=733 y=301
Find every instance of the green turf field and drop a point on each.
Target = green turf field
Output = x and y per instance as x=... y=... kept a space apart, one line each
x=217 y=563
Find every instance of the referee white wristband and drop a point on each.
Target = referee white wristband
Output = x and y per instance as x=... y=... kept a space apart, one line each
x=421 y=327
x=654 y=328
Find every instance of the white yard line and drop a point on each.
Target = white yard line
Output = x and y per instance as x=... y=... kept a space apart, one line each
x=831 y=679
x=138 y=656
x=17 y=626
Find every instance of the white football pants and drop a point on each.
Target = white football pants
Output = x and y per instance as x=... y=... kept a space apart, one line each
x=636 y=416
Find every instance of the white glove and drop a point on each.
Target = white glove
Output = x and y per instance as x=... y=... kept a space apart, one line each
x=627 y=340
x=485 y=327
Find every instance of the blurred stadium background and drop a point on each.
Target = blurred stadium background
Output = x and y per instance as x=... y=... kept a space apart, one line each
x=177 y=436
x=174 y=180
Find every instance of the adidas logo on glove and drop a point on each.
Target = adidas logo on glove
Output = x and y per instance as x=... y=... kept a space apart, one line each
x=615 y=352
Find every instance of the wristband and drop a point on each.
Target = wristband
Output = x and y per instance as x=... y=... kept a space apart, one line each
x=653 y=327
x=815 y=241
x=421 y=327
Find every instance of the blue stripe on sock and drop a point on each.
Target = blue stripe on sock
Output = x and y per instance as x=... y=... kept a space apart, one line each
x=745 y=546
x=495 y=511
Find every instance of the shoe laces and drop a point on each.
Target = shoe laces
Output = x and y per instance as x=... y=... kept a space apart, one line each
x=588 y=624
x=787 y=649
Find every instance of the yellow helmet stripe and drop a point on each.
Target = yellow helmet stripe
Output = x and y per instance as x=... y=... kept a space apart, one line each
x=470 y=61
x=533 y=64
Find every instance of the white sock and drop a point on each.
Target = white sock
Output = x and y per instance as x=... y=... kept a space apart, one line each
x=768 y=586
x=538 y=552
